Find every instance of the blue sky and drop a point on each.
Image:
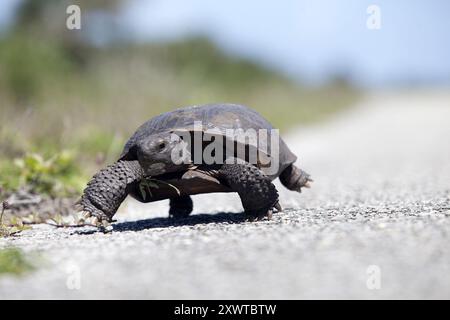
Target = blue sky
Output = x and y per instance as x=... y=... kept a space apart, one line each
x=311 y=40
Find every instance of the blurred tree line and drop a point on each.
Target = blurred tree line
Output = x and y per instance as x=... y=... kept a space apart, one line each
x=39 y=49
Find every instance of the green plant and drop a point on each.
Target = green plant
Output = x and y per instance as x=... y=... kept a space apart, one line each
x=14 y=226
x=147 y=184
x=54 y=176
x=3 y=229
x=13 y=261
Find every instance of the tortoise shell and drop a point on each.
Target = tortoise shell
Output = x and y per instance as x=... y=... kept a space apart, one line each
x=220 y=119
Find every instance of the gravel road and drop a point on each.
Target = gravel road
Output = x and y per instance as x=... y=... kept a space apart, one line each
x=376 y=224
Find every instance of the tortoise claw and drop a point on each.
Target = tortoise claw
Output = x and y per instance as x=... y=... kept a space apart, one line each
x=91 y=212
x=278 y=207
x=102 y=224
x=86 y=215
x=260 y=215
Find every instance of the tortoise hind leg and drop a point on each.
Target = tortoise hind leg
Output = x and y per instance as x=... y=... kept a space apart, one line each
x=295 y=178
x=180 y=207
x=257 y=192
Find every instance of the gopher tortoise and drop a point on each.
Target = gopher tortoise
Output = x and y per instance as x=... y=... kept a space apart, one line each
x=194 y=150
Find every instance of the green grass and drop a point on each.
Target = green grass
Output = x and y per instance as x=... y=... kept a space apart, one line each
x=13 y=261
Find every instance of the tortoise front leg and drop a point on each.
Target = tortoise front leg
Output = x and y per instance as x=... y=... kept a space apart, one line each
x=108 y=188
x=257 y=192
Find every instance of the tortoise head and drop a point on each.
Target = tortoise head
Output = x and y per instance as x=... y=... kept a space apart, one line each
x=162 y=153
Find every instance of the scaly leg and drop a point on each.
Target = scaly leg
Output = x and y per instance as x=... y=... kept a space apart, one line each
x=108 y=188
x=257 y=192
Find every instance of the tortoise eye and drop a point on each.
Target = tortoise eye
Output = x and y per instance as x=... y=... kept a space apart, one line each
x=161 y=146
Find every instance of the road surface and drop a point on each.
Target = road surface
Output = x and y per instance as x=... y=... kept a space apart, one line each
x=376 y=224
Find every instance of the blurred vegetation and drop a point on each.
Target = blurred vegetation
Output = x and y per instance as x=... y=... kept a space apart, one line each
x=55 y=176
x=13 y=261
x=59 y=91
